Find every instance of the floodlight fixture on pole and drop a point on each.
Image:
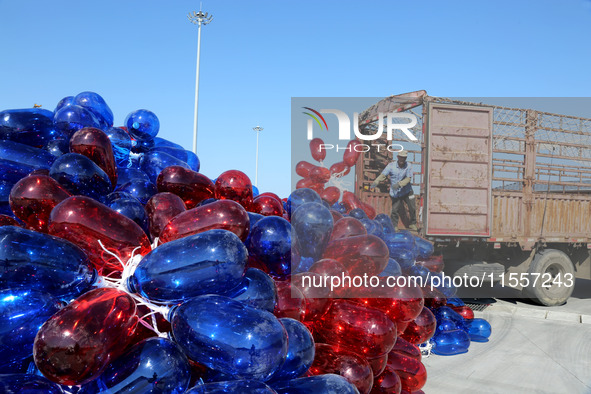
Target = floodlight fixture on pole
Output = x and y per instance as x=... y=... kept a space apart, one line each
x=198 y=18
x=258 y=129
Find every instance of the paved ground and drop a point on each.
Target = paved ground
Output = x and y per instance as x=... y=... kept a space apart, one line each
x=532 y=349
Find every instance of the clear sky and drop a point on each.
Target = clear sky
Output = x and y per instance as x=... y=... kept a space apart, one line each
x=256 y=55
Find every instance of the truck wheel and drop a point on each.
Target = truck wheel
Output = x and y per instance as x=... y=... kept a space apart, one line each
x=552 y=265
x=457 y=263
x=482 y=270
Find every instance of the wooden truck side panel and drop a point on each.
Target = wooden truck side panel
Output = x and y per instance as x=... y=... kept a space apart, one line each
x=566 y=218
x=458 y=166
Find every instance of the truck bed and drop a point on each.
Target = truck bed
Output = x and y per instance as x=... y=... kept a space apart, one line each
x=533 y=185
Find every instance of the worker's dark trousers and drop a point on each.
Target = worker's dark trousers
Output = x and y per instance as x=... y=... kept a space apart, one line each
x=397 y=205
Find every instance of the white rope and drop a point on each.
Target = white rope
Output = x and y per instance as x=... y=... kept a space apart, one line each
x=155 y=325
x=128 y=270
x=339 y=182
x=132 y=156
x=121 y=284
x=111 y=253
x=155 y=243
x=426 y=349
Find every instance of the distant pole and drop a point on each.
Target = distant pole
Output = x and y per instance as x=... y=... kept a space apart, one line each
x=198 y=18
x=258 y=129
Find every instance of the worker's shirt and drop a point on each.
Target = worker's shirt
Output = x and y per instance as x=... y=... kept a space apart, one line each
x=397 y=174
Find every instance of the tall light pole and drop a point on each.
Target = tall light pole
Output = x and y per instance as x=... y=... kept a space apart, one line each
x=258 y=129
x=198 y=18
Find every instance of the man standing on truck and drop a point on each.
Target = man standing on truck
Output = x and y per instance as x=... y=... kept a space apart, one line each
x=400 y=173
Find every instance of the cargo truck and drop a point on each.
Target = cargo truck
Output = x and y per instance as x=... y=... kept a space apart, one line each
x=504 y=193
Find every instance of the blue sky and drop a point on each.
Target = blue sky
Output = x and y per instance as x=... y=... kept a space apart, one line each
x=256 y=55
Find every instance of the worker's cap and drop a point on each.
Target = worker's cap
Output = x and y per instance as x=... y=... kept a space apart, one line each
x=402 y=153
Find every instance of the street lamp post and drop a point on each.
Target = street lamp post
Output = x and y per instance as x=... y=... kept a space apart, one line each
x=258 y=129
x=198 y=18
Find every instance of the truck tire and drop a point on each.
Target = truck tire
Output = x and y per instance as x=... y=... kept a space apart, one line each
x=550 y=263
x=473 y=268
x=487 y=271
